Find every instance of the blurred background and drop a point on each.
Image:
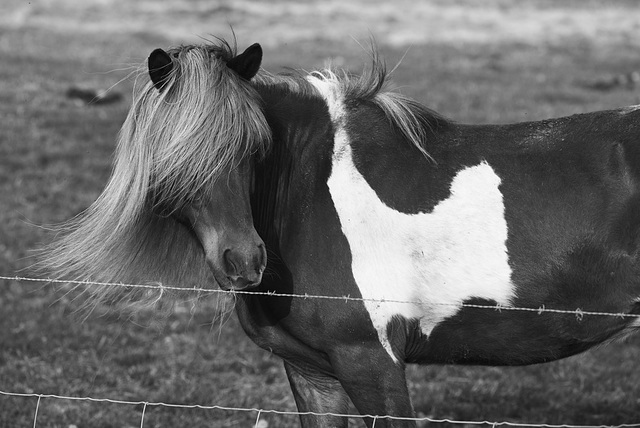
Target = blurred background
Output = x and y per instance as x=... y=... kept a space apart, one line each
x=64 y=92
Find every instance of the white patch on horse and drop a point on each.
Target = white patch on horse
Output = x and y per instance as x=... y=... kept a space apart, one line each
x=435 y=260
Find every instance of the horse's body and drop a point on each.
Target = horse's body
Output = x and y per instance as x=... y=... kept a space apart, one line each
x=367 y=194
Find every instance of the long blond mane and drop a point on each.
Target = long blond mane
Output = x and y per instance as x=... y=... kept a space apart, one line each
x=173 y=145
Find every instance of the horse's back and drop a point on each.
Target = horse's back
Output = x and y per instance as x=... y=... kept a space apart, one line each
x=571 y=199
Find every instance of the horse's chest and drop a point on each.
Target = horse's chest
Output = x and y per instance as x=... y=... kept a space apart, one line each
x=423 y=266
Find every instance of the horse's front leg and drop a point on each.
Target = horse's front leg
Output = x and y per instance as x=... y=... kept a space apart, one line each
x=375 y=383
x=318 y=393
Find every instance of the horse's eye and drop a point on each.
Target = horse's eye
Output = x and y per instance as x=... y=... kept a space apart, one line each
x=197 y=201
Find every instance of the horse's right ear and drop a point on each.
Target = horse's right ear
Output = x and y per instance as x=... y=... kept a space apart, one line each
x=160 y=66
x=248 y=62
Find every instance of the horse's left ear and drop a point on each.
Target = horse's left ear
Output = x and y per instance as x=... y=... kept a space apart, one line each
x=160 y=66
x=248 y=62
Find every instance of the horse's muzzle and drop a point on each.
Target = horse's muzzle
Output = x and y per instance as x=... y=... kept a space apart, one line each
x=243 y=271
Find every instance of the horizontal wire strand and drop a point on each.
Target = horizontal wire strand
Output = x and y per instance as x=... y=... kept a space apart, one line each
x=578 y=313
x=295 y=413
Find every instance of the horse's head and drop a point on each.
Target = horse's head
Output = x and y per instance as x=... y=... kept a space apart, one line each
x=203 y=167
x=222 y=221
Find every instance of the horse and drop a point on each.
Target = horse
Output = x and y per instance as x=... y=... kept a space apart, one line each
x=328 y=183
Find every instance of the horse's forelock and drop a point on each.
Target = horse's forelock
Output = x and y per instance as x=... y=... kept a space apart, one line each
x=206 y=121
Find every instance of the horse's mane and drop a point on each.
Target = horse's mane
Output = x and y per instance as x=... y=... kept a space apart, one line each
x=412 y=119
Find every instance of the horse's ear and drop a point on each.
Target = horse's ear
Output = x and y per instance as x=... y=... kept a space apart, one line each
x=248 y=62
x=160 y=66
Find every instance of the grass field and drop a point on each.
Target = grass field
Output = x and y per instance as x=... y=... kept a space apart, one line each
x=493 y=61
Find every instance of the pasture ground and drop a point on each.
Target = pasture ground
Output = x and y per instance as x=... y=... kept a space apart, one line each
x=492 y=61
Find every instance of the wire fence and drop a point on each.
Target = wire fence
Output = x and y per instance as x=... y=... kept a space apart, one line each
x=260 y=412
x=578 y=313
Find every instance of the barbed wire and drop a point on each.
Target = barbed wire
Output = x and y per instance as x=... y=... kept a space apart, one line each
x=260 y=412
x=578 y=313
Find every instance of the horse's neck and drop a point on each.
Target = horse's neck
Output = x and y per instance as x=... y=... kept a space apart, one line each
x=271 y=194
x=300 y=155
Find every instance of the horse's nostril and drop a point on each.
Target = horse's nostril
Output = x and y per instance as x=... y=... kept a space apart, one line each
x=263 y=258
x=254 y=277
x=231 y=266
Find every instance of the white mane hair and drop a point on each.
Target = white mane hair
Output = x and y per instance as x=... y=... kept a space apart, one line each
x=412 y=119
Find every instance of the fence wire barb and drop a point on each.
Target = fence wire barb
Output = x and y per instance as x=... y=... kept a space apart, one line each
x=493 y=424
x=578 y=312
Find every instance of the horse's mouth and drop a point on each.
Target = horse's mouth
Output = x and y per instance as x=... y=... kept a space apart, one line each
x=235 y=283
